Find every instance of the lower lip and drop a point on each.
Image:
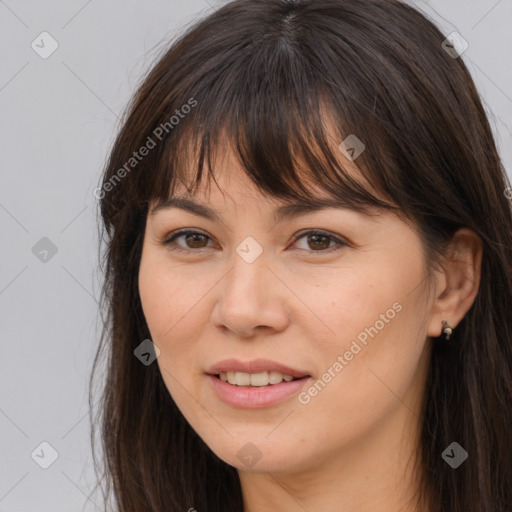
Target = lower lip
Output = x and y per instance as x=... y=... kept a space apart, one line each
x=256 y=397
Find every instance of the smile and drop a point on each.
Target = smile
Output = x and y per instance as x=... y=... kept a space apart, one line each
x=255 y=379
x=255 y=396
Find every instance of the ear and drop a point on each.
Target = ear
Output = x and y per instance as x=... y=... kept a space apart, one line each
x=458 y=281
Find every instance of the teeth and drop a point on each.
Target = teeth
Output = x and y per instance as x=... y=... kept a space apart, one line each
x=254 y=379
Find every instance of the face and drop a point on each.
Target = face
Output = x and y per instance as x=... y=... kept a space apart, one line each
x=334 y=296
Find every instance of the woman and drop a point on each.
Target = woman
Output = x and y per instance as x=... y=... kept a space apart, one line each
x=328 y=327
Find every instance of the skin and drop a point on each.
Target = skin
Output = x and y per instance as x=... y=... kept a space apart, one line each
x=352 y=446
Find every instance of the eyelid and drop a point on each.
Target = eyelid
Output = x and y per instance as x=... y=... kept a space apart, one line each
x=339 y=241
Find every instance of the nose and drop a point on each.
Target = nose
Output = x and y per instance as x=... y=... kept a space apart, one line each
x=250 y=299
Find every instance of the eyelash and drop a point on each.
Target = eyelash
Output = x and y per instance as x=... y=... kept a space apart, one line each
x=169 y=240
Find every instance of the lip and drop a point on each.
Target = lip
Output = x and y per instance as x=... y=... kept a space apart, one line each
x=256 y=397
x=255 y=366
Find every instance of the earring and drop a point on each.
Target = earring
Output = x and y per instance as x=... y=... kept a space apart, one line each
x=447 y=330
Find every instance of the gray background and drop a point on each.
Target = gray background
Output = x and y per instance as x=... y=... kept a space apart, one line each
x=59 y=116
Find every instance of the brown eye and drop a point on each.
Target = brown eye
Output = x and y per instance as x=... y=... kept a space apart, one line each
x=193 y=240
x=319 y=241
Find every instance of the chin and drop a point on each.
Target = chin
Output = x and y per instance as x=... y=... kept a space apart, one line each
x=259 y=455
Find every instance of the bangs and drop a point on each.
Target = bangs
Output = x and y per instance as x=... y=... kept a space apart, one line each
x=283 y=123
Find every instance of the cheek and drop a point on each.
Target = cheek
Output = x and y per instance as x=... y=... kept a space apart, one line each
x=168 y=295
x=377 y=298
x=374 y=318
x=363 y=369
x=168 y=307
x=343 y=303
x=175 y=309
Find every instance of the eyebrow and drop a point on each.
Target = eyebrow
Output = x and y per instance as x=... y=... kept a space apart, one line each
x=283 y=212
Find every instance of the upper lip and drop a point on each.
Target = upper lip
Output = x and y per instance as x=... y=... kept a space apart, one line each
x=255 y=366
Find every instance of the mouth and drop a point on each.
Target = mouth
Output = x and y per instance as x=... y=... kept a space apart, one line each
x=257 y=372
x=255 y=384
x=249 y=396
x=256 y=380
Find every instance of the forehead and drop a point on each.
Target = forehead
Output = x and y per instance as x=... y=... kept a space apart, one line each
x=229 y=175
x=225 y=204
x=229 y=185
x=223 y=175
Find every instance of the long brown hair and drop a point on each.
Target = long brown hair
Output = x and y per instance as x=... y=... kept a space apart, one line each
x=257 y=74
